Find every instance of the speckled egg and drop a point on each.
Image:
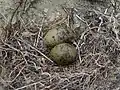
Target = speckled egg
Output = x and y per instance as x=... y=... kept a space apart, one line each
x=56 y=36
x=63 y=54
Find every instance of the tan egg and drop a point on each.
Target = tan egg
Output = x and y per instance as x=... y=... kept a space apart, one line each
x=63 y=54
x=56 y=36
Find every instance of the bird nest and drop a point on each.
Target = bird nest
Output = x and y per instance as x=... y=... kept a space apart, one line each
x=23 y=54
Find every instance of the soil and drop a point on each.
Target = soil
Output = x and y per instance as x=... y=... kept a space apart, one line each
x=23 y=54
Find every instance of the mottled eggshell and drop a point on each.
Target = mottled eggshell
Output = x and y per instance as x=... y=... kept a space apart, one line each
x=63 y=54
x=56 y=36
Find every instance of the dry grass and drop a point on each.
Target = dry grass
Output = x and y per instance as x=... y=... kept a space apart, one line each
x=23 y=53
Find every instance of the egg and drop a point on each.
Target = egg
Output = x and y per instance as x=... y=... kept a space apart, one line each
x=63 y=54
x=56 y=36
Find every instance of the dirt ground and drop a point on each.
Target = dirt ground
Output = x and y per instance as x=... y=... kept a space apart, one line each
x=24 y=60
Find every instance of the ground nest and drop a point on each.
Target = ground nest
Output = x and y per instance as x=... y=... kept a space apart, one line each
x=24 y=60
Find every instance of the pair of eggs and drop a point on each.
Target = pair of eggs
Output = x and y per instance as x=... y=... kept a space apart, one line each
x=61 y=53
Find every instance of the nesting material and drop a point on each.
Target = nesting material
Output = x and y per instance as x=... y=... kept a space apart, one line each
x=2 y=71
x=2 y=35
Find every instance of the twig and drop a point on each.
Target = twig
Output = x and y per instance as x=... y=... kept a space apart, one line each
x=29 y=85
x=78 y=48
x=36 y=50
x=16 y=50
x=100 y=23
x=40 y=29
x=15 y=68
x=5 y=19
x=82 y=20
x=16 y=75
x=20 y=3
x=69 y=12
x=96 y=61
